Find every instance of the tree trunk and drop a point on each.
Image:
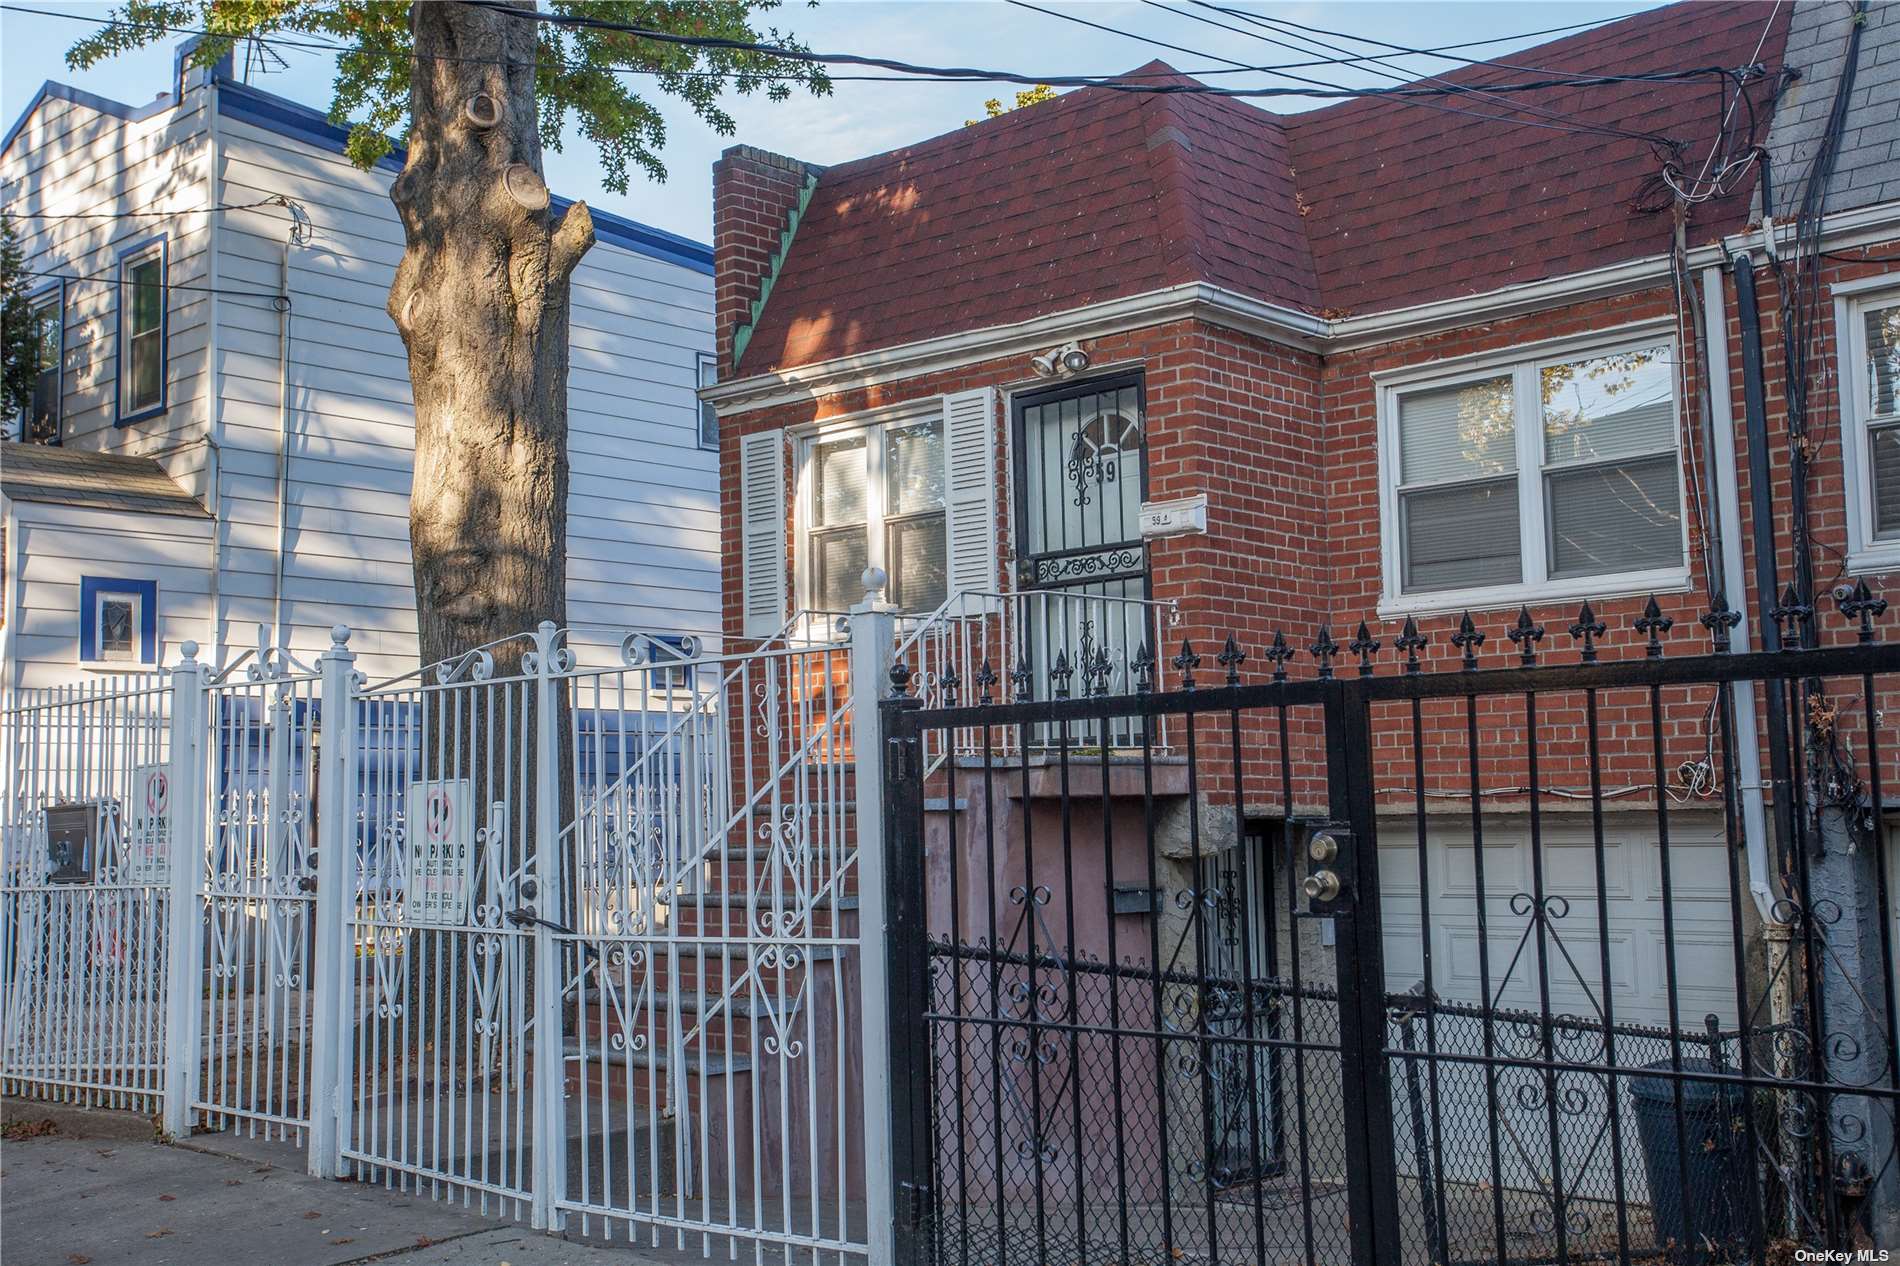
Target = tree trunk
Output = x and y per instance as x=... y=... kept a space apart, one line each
x=481 y=301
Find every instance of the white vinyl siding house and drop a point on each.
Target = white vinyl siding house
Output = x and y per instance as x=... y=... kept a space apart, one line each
x=302 y=454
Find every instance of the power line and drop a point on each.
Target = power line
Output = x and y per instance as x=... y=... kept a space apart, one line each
x=588 y=22
x=1553 y=117
x=309 y=46
x=904 y=72
x=1146 y=39
x=1552 y=120
x=276 y=41
x=110 y=279
x=278 y=200
x=1358 y=59
x=1396 y=48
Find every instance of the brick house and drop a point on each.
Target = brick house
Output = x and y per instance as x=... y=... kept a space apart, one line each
x=1379 y=361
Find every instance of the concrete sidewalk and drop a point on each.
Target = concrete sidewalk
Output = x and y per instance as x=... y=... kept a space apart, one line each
x=101 y=1192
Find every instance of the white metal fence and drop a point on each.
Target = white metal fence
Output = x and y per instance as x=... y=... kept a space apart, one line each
x=580 y=943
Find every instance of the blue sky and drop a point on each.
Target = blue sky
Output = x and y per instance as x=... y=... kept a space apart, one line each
x=861 y=118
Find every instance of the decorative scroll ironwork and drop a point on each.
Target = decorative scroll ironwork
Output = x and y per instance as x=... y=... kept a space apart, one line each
x=1119 y=562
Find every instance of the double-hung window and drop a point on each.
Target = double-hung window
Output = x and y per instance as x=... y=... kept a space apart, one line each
x=874 y=497
x=141 y=287
x=46 y=318
x=1870 y=427
x=1548 y=477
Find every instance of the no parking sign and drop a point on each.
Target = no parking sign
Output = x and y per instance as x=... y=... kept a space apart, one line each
x=439 y=817
x=148 y=848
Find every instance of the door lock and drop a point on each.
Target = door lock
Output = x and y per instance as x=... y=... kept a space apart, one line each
x=1328 y=853
x=1322 y=885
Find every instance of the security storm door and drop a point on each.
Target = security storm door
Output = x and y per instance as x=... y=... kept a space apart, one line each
x=1081 y=476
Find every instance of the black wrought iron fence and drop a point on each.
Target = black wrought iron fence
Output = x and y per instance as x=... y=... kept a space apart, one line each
x=1500 y=962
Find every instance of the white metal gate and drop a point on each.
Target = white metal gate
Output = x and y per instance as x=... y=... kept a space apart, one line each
x=257 y=899
x=710 y=960
x=444 y=1051
x=84 y=893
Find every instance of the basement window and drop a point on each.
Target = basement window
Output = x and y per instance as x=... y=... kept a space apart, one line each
x=1541 y=478
x=1870 y=431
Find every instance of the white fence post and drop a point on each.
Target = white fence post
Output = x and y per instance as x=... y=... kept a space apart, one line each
x=184 y=958
x=873 y=645
x=550 y=1063
x=333 y=968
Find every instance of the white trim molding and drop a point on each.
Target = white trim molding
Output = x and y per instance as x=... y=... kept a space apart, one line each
x=1865 y=551
x=1191 y=301
x=1535 y=585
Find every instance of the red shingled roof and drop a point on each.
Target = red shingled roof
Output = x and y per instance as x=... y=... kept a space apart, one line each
x=1371 y=204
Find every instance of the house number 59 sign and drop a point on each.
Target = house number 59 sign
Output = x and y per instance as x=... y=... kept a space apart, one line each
x=148 y=848
x=439 y=817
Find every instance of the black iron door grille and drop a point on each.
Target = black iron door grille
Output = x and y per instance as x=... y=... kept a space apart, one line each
x=1517 y=986
x=1080 y=460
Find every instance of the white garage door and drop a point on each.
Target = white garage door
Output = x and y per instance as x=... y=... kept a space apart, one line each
x=1628 y=905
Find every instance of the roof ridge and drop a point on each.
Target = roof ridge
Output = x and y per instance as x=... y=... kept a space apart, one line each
x=1179 y=216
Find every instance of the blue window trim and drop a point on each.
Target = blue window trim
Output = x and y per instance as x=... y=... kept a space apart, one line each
x=33 y=299
x=141 y=247
x=90 y=587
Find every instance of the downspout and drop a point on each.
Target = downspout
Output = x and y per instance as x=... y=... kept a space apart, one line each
x=283 y=442
x=1720 y=450
x=1761 y=511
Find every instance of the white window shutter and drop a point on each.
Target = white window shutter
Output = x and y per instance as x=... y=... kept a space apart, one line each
x=762 y=532
x=969 y=455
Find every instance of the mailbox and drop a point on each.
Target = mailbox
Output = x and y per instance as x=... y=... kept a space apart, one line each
x=70 y=842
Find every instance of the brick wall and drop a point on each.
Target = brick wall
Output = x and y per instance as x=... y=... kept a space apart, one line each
x=1284 y=444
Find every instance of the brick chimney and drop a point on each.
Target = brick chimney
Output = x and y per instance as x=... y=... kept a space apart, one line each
x=755 y=195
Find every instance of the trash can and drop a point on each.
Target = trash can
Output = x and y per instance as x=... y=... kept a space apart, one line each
x=1696 y=1187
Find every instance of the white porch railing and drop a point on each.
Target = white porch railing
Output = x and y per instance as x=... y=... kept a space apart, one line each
x=1035 y=643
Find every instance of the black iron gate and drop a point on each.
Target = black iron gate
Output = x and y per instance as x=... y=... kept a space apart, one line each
x=1515 y=981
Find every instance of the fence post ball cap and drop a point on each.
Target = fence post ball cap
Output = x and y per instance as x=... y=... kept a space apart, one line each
x=189 y=650
x=340 y=635
x=874 y=579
